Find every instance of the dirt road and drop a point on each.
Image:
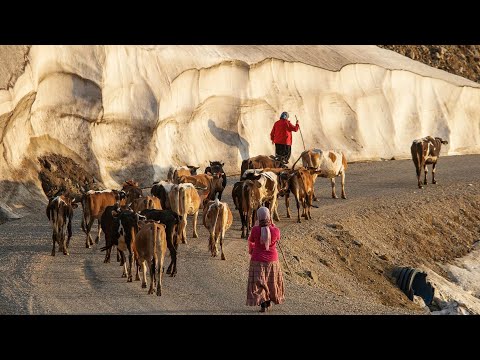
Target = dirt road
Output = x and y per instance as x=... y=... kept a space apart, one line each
x=339 y=260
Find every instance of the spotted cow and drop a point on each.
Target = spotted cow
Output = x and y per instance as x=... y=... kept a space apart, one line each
x=426 y=151
x=329 y=164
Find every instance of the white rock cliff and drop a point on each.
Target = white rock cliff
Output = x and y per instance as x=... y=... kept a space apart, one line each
x=133 y=111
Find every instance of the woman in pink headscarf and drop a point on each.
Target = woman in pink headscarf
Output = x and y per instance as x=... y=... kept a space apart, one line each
x=265 y=279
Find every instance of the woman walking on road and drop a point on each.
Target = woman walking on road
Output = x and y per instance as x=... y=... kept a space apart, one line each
x=265 y=278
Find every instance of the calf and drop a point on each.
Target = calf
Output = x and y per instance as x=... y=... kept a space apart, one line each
x=426 y=151
x=217 y=218
x=300 y=183
x=60 y=213
x=329 y=163
x=216 y=170
x=171 y=221
x=149 y=246
x=123 y=231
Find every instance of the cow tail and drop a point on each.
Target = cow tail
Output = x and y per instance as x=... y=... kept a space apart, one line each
x=182 y=197
x=225 y=219
x=293 y=166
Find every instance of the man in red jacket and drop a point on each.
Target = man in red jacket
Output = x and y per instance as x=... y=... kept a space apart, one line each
x=281 y=136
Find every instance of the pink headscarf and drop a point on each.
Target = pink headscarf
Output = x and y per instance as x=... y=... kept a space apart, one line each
x=264 y=221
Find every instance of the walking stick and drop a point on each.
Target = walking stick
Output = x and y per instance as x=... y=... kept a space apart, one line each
x=284 y=259
x=301 y=134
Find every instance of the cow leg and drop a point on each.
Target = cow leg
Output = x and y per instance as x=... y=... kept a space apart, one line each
x=344 y=196
x=182 y=229
x=419 y=174
x=107 y=255
x=64 y=244
x=222 y=235
x=287 y=204
x=309 y=205
x=195 y=235
x=89 y=240
x=53 y=239
x=130 y=260
x=69 y=230
x=433 y=173
x=243 y=218
x=152 y=276
x=137 y=265
x=334 y=195
x=425 y=170
x=273 y=209
x=97 y=239
x=124 y=263
x=172 y=268
x=143 y=264
x=298 y=207
x=160 y=262
x=118 y=256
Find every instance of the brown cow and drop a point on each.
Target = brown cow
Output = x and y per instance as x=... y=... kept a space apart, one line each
x=426 y=151
x=184 y=200
x=60 y=213
x=147 y=202
x=246 y=197
x=267 y=182
x=216 y=169
x=217 y=218
x=300 y=183
x=132 y=190
x=94 y=204
x=206 y=184
x=260 y=162
x=150 y=246
x=330 y=163
x=175 y=173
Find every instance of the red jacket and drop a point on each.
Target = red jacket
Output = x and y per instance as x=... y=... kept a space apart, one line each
x=257 y=250
x=282 y=132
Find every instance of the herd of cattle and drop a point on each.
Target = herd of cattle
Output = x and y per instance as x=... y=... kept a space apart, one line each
x=146 y=226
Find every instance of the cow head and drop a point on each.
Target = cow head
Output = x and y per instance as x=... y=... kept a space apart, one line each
x=444 y=142
x=216 y=169
x=193 y=169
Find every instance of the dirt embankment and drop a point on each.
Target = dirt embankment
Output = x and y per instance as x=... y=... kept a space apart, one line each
x=60 y=174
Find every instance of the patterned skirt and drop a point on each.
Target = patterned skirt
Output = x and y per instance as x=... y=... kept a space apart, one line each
x=265 y=282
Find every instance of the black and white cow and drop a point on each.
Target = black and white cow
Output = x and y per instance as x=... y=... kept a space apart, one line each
x=60 y=213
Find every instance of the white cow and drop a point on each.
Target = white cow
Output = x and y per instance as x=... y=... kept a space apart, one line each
x=331 y=164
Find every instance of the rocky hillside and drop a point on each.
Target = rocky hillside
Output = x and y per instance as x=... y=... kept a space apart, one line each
x=462 y=60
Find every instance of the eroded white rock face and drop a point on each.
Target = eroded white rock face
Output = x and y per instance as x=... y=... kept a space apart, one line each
x=133 y=111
